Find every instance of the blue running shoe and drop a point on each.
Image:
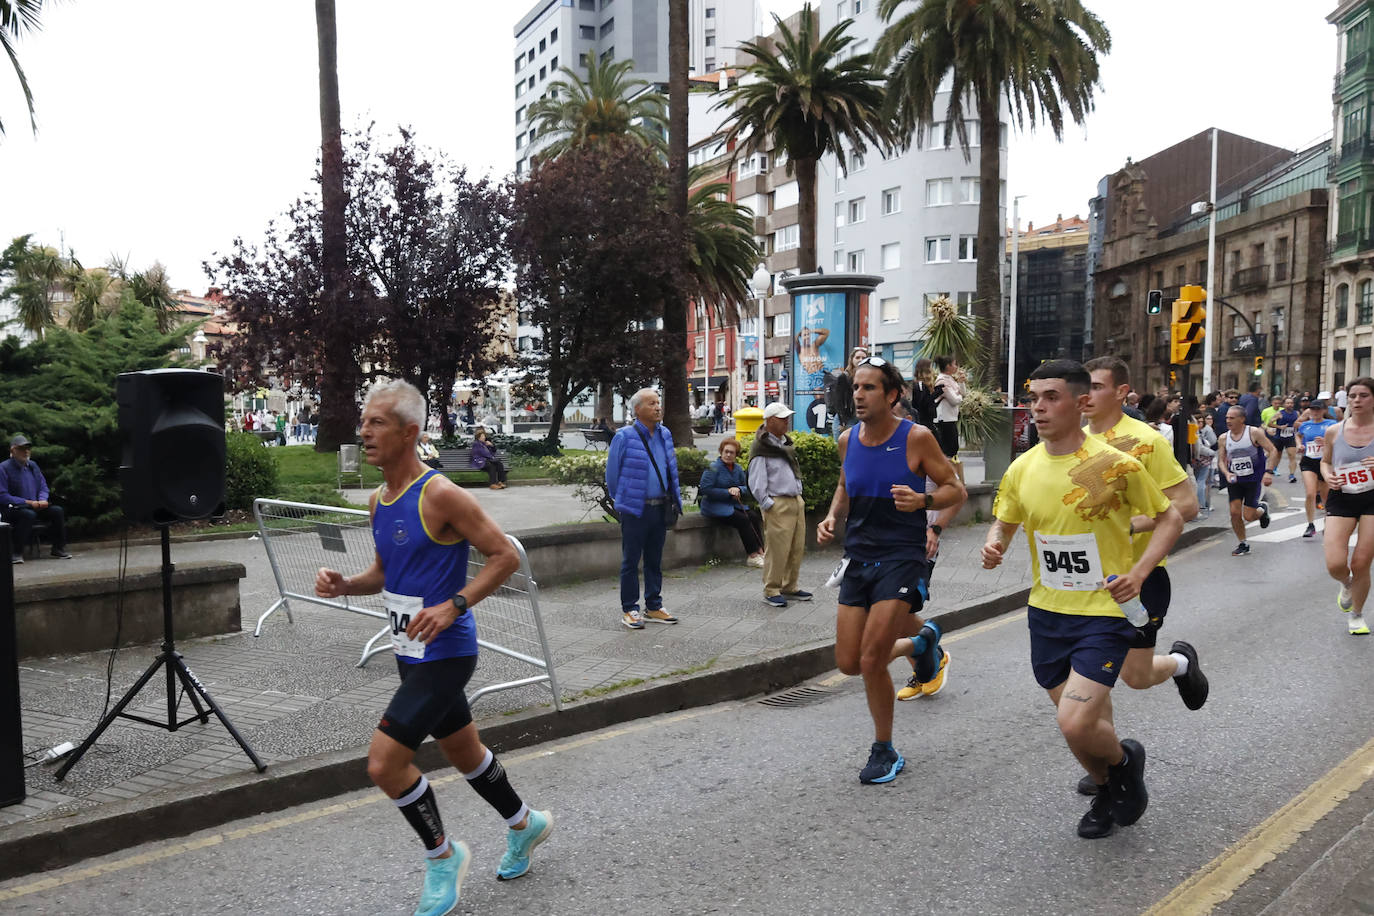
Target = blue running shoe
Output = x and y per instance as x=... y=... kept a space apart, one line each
x=443 y=881
x=928 y=659
x=520 y=844
x=884 y=763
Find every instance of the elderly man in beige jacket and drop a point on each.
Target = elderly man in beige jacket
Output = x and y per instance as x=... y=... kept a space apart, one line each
x=776 y=482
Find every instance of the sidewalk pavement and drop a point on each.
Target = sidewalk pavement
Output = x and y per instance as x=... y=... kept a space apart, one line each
x=298 y=699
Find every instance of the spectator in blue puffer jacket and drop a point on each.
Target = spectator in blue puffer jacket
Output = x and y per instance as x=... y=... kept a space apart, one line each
x=724 y=488
x=645 y=490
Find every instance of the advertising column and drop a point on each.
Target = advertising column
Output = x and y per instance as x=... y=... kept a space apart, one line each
x=829 y=319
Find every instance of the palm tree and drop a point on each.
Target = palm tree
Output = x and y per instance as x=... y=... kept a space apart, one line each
x=95 y=294
x=606 y=104
x=677 y=412
x=38 y=271
x=16 y=18
x=720 y=248
x=1041 y=55
x=153 y=291
x=802 y=98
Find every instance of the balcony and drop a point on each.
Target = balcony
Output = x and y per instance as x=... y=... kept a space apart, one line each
x=1247 y=345
x=1250 y=278
x=1352 y=150
x=1355 y=62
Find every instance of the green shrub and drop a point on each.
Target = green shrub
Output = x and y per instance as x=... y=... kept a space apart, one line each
x=249 y=471
x=518 y=446
x=317 y=494
x=691 y=464
x=819 y=460
x=587 y=473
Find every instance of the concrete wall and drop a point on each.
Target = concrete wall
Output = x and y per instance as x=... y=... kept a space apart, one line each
x=77 y=613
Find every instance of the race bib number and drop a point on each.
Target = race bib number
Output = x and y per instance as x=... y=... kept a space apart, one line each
x=1242 y=465
x=1312 y=448
x=400 y=609
x=1069 y=562
x=1358 y=478
x=1285 y=432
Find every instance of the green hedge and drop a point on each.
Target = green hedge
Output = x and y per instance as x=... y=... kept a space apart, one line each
x=819 y=460
x=250 y=471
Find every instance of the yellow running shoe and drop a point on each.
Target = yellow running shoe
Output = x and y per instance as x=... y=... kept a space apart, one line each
x=936 y=684
x=1357 y=625
x=912 y=690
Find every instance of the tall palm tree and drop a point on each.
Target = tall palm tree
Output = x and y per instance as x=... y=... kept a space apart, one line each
x=95 y=294
x=38 y=271
x=804 y=97
x=153 y=290
x=677 y=412
x=605 y=104
x=16 y=18
x=720 y=248
x=1040 y=55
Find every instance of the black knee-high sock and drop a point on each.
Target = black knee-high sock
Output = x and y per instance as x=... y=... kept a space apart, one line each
x=421 y=810
x=489 y=781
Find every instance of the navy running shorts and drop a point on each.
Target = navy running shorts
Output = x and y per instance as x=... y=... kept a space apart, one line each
x=1311 y=464
x=1247 y=491
x=1349 y=505
x=1155 y=592
x=1283 y=443
x=430 y=700
x=865 y=584
x=1095 y=647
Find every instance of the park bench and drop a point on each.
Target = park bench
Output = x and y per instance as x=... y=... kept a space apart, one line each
x=266 y=436
x=452 y=459
x=460 y=459
x=596 y=437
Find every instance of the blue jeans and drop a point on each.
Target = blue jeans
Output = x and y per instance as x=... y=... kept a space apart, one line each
x=642 y=536
x=1204 y=486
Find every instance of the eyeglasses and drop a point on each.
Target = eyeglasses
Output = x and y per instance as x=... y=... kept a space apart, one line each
x=875 y=361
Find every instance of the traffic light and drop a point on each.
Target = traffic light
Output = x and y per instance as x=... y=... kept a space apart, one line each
x=1154 y=302
x=1259 y=365
x=1187 y=331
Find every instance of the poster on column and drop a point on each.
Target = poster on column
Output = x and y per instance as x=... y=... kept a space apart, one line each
x=818 y=351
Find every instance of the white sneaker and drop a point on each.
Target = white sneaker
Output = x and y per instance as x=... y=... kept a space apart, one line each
x=756 y=562
x=1344 y=601
x=1357 y=625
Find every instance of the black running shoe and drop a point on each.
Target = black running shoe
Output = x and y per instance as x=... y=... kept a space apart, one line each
x=1192 y=685
x=1126 y=784
x=927 y=662
x=884 y=763
x=1264 y=514
x=1241 y=550
x=1086 y=786
x=1098 y=821
x=1311 y=531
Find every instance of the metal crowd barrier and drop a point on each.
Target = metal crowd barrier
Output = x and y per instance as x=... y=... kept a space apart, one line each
x=300 y=538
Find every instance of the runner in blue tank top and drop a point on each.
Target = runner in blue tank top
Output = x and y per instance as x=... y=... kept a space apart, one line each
x=422 y=527
x=882 y=495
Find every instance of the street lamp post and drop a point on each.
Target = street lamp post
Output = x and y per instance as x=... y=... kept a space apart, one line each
x=1011 y=309
x=759 y=283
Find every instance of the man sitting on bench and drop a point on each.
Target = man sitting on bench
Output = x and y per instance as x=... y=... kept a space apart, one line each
x=24 y=500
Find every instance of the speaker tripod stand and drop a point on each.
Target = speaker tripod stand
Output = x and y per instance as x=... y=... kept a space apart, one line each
x=177 y=671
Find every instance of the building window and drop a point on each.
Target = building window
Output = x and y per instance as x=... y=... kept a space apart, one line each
x=720 y=350
x=699 y=351
x=606 y=3
x=842 y=10
x=520 y=140
x=710 y=12
x=782 y=325
x=856 y=262
x=856 y=210
x=1366 y=312
x=855 y=161
x=939 y=192
x=839 y=260
x=859 y=6
x=519 y=62
x=787 y=238
x=607 y=27
x=839 y=214
x=553 y=36
x=587 y=32
x=519 y=114
x=968 y=247
x=710 y=41
x=1342 y=305
x=964 y=304
x=587 y=5
x=543 y=73
x=892 y=256
x=543 y=45
x=892 y=201
x=889 y=310
x=608 y=54
x=710 y=64
x=937 y=250
x=553 y=64
x=970 y=191
x=927 y=301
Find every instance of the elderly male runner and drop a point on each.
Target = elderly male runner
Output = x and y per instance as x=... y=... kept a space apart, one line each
x=1076 y=497
x=882 y=494
x=423 y=525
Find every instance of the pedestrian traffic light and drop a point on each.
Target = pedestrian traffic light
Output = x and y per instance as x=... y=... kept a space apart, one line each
x=1187 y=331
x=1259 y=365
x=1154 y=302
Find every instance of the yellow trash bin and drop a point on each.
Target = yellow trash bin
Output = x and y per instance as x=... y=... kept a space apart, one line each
x=747 y=422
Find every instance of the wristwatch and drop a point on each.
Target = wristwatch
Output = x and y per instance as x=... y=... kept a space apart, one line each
x=938 y=529
x=460 y=601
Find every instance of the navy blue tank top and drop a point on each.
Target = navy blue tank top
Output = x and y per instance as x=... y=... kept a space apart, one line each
x=420 y=566
x=876 y=530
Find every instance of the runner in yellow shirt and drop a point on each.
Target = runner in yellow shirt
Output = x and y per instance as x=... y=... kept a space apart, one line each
x=1077 y=497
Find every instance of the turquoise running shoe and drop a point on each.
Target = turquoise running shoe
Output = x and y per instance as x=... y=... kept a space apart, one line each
x=443 y=881
x=520 y=844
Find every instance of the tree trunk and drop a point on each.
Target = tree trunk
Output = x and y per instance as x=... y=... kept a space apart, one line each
x=339 y=382
x=676 y=414
x=987 y=302
x=806 y=214
x=605 y=402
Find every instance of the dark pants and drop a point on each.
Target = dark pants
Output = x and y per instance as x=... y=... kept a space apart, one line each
x=743 y=523
x=496 y=471
x=642 y=536
x=22 y=518
x=947 y=434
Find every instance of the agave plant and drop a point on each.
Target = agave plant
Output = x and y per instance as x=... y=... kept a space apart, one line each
x=947 y=332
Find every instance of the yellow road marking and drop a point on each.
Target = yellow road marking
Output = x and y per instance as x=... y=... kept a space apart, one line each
x=1219 y=879
x=64 y=878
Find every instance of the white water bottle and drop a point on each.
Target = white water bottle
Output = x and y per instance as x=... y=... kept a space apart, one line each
x=1135 y=611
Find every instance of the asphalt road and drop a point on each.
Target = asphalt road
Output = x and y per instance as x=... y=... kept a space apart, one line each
x=745 y=807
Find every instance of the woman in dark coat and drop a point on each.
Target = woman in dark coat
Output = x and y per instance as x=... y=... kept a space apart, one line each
x=484 y=458
x=724 y=488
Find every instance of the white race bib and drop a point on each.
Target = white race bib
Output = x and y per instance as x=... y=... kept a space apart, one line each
x=1069 y=562
x=1312 y=448
x=1242 y=465
x=401 y=609
x=1358 y=478
x=1285 y=432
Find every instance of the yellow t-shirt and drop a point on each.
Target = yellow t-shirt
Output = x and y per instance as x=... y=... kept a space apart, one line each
x=1145 y=444
x=1077 y=510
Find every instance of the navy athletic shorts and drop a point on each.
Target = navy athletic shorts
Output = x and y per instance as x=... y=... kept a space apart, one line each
x=430 y=700
x=865 y=584
x=1247 y=491
x=1095 y=647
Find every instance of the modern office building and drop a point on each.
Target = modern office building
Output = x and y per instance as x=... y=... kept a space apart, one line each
x=1051 y=292
x=561 y=33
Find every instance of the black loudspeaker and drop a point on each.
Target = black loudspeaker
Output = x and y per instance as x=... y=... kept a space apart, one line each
x=171 y=427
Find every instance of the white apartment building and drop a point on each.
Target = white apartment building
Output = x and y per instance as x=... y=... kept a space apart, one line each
x=560 y=33
x=911 y=218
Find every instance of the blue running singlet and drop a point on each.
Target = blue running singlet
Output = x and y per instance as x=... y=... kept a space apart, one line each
x=876 y=530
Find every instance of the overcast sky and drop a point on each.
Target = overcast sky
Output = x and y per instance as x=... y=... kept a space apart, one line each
x=167 y=128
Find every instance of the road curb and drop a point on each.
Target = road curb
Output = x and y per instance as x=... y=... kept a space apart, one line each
x=58 y=842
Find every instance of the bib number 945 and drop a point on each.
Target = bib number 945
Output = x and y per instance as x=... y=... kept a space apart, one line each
x=1067 y=561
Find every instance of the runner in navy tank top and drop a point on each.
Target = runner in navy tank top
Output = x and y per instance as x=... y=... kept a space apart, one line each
x=881 y=496
x=422 y=527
